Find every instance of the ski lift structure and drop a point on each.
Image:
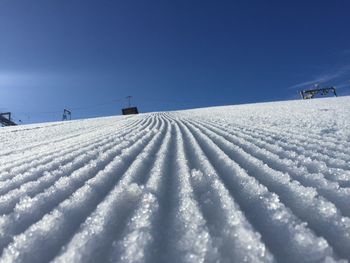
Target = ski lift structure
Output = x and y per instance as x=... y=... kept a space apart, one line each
x=67 y=115
x=312 y=93
x=5 y=119
x=129 y=110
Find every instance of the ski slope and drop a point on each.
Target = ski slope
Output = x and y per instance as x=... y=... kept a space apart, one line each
x=263 y=182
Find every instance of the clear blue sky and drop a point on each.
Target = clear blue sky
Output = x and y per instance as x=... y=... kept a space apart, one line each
x=89 y=54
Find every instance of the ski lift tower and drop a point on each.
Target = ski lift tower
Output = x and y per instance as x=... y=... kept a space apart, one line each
x=311 y=93
x=129 y=110
x=5 y=119
x=67 y=115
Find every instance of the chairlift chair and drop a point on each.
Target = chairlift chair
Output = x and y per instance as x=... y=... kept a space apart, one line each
x=129 y=110
x=5 y=119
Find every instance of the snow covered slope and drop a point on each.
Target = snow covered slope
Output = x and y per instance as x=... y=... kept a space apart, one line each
x=250 y=183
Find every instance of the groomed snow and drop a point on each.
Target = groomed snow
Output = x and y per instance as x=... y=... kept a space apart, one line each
x=263 y=182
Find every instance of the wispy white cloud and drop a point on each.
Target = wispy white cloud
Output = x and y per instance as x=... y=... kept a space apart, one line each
x=336 y=76
x=343 y=84
x=14 y=79
x=45 y=79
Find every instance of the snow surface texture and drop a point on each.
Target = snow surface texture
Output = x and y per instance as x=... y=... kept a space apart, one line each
x=250 y=183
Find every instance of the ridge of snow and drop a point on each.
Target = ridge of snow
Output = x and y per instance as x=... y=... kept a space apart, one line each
x=266 y=182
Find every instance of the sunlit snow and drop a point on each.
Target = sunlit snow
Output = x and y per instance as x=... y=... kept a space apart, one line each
x=265 y=182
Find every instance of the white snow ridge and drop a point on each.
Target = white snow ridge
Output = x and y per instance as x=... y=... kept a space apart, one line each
x=263 y=182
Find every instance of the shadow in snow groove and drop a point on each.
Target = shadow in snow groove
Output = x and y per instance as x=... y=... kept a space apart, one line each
x=25 y=220
x=335 y=229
